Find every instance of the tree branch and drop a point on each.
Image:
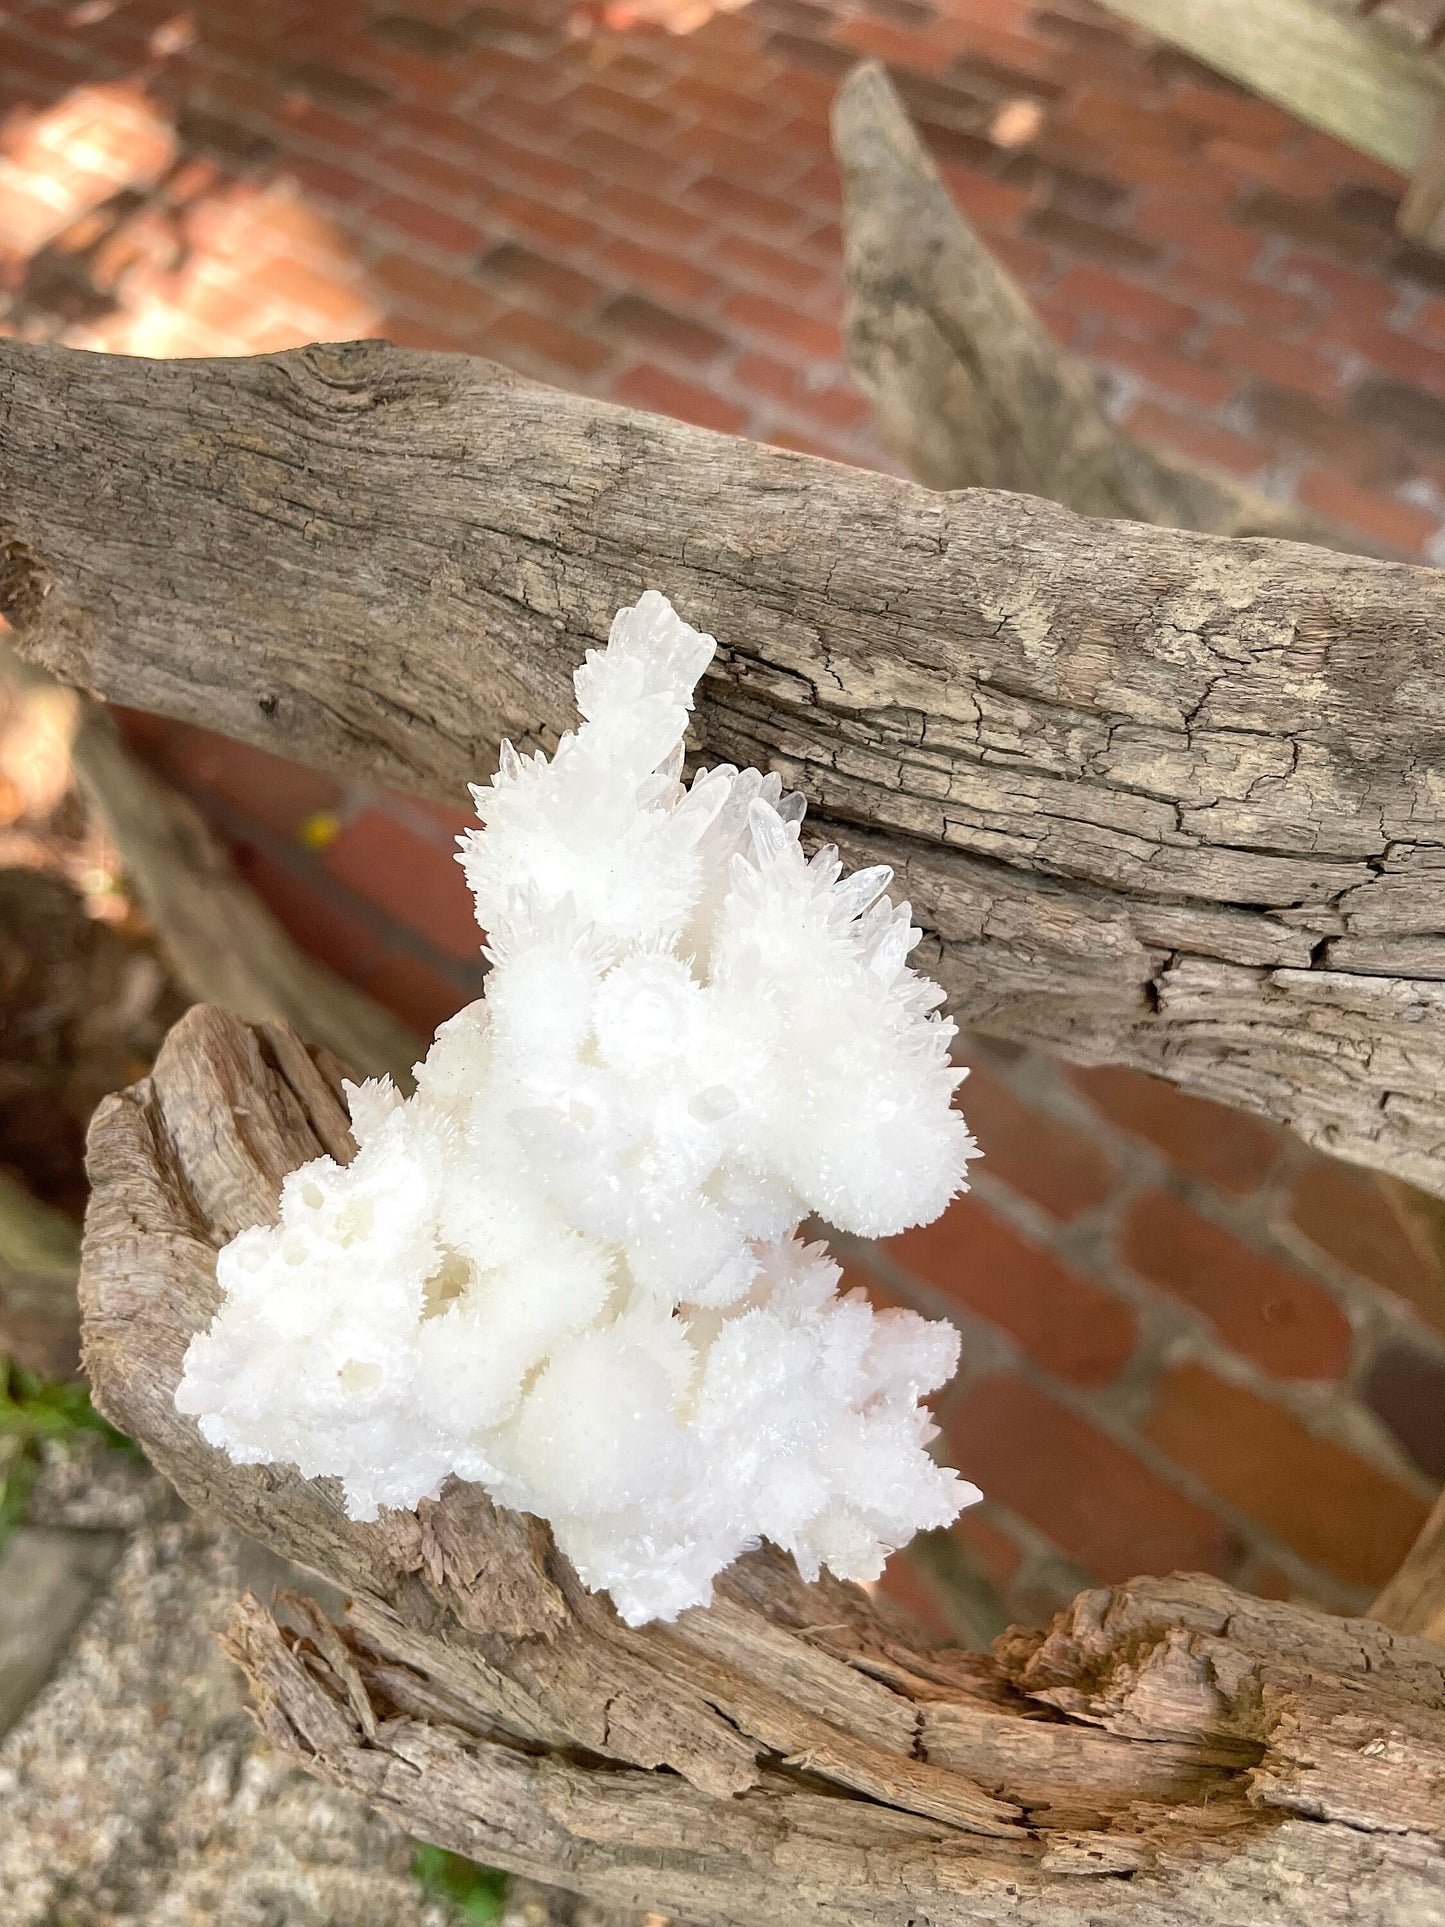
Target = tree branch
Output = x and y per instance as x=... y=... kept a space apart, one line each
x=1172 y=1752
x=971 y=389
x=967 y=383
x=1157 y=799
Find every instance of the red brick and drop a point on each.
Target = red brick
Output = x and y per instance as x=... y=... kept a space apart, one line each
x=988 y=1544
x=1072 y=233
x=1430 y=321
x=1412 y=361
x=444 y=821
x=1112 y=122
x=1198 y=233
x=761 y=263
x=513 y=267
x=1227 y=296
x=409 y=878
x=1334 y=162
x=428 y=173
x=427 y=291
x=664 y=273
x=922 y=51
x=635 y=209
x=478 y=147
x=1244 y=117
x=760 y=314
x=1285 y=173
x=541 y=219
x=1209 y=387
x=322 y=128
x=1381 y=517
x=1063 y=1321
x=333 y=183
x=771 y=166
x=1347 y=1214
x=308 y=910
x=1262 y=1309
x=334 y=304
x=833 y=403
x=1155 y=171
x=1228 y=1149
x=1015 y=63
x=411 y=76
x=661 y=329
x=1364 y=451
x=1198 y=441
x=1318 y=1497
x=1099 y=292
x=1025 y=260
x=799 y=444
x=350 y=92
x=1067 y=326
x=727 y=201
x=735 y=106
x=413 y=991
x=611 y=107
x=1094 y=1499
x=906 y=1585
x=534 y=339
x=609 y=157
x=1043 y=1157
x=1362 y=300
x=645 y=386
x=447 y=337
x=272 y=792
x=428 y=225
x=1289 y=364
x=993 y=204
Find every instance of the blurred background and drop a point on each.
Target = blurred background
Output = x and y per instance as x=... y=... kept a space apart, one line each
x=1188 y=1341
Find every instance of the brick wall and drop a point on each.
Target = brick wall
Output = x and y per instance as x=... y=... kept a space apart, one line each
x=1188 y=1341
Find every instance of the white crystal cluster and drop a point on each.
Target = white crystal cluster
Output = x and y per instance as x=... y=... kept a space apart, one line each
x=568 y=1267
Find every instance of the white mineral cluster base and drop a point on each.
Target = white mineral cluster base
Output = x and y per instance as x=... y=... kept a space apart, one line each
x=568 y=1267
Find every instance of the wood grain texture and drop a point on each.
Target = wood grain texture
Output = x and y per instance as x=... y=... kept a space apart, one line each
x=1169 y=1753
x=1156 y=798
x=1325 y=63
x=1414 y=1600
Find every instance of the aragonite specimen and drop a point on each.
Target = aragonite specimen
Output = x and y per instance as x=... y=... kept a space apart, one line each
x=569 y=1267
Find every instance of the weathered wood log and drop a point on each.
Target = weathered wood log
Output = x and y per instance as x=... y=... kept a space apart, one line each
x=1414 y=1600
x=971 y=389
x=1157 y=798
x=1170 y=1752
x=965 y=380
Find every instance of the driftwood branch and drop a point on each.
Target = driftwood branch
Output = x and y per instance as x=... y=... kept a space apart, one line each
x=1171 y=1752
x=1414 y=1600
x=222 y=943
x=1157 y=798
x=221 y=940
x=966 y=381
x=971 y=389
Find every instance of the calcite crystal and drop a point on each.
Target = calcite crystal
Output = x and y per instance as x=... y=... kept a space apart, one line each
x=569 y=1266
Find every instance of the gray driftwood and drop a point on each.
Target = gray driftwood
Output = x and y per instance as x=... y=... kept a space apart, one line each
x=966 y=381
x=1156 y=797
x=971 y=389
x=1171 y=1752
